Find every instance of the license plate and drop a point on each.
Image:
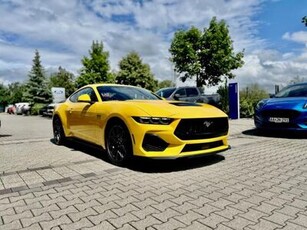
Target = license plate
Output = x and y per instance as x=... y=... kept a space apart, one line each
x=279 y=119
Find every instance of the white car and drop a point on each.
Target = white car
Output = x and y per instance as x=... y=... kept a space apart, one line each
x=50 y=109
x=22 y=106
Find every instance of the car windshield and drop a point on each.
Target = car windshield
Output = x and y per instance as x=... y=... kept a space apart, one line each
x=122 y=93
x=165 y=92
x=293 y=91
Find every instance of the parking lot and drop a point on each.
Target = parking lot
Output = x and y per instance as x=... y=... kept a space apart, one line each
x=260 y=183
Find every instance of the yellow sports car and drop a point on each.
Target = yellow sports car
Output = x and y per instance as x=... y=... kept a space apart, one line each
x=127 y=120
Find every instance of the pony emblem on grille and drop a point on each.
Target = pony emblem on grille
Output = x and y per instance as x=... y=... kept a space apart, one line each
x=207 y=123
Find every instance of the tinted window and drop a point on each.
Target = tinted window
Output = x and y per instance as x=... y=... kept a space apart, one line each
x=191 y=92
x=181 y=92
x=89 y=91
x=122 y=93
x=165 y=92
x=293 y=91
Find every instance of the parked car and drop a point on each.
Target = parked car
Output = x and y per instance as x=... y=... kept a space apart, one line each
x=287 y=110
x=50 y=109
x=130 y=121
x=11 y=109
x=26 y=109
x=189 y=93
x=22 y=107
x=43 y=111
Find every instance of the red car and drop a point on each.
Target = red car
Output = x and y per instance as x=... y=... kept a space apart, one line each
x=11 y=109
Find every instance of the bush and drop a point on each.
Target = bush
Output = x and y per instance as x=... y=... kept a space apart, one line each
x=249 y=97
x=36 y=107
x=246 y=108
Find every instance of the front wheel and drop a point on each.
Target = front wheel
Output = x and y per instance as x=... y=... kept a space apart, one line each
x=58 y=132
x=118 y=144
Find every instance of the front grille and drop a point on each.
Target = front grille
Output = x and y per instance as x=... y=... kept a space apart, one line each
x=203 y=146
x=202 y=128
x=281 y=125
x=281 y=113
x=154 y=143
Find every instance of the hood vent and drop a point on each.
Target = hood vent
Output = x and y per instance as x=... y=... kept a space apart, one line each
x=184 y=103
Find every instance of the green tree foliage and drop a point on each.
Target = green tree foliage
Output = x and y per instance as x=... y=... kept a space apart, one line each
x=249 y=97
x=16 y=90
x=4 y=96
x=36 y=90
x=134 y=72
x=165 y=84
x=304 y=20
x=64 y=79
x=95 y=67
x=11 y=94
x=224 y=93
x=206 y=55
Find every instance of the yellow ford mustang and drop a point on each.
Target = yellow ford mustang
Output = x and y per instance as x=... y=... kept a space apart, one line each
x=128 y=120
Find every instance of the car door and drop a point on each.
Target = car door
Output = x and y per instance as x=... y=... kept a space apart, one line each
x=192 y=94
x=82 y=116
x=180 y=94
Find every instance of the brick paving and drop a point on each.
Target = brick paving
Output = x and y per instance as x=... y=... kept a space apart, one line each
x=260 y=183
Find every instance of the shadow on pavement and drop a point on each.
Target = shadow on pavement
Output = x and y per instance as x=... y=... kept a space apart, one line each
x=147 y=165
x=5 y=135
x=276 y=134
x=87 y=148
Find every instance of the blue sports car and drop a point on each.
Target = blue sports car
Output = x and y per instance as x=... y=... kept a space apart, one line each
x=287 y=110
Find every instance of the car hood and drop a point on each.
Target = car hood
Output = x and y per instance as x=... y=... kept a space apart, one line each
x=176 y=109
x=285 y=103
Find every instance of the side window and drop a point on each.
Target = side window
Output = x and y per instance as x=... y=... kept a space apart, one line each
x=181 y=92
x=192 y=92
x=89 y=91
x=93 y=95
x=74 y=97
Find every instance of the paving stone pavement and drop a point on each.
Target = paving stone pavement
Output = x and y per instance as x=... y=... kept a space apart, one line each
x=260 y=183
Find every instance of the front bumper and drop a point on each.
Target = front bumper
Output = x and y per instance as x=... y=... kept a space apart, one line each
x=298 y=123
x=161 y=141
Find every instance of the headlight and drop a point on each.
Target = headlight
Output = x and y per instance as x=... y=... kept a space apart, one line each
x=305 y=105
x=260 y=105
x=154 y=120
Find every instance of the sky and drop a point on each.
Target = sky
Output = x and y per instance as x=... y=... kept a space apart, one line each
x=270 y=32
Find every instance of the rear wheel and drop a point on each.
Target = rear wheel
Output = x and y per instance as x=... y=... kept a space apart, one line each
x=58 y=132
x=118 y=144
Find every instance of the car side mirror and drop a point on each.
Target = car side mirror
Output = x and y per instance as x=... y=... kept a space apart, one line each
x=85 y=98
x=176 y=96
x=272 y=95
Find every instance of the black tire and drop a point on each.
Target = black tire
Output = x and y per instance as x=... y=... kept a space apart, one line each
x=118 y=144
x=58 y=132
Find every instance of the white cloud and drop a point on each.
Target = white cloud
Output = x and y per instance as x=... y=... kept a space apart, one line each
x=63 y=32
x=268 y=68
x=300 y=37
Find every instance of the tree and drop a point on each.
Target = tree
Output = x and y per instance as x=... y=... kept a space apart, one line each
x=36 y=90
x=224 y=93
x=95 y=67
x=134 y=72
x=249 y=97
x=4 y=96
x=304 y=20
x=16 y=90
x=208 y=56
x=165 y=84
x=64 y=79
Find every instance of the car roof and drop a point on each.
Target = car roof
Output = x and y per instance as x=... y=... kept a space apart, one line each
x=300 y=83
x=109 y=84
x=166 y=88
